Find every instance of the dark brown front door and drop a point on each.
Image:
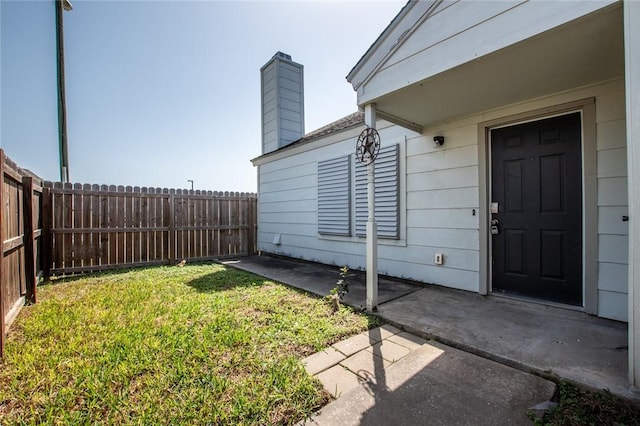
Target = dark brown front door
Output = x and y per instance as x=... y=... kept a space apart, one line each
x=536 y=180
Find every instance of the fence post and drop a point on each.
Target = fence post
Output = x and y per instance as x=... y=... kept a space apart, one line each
x=2 y=283
x=255 y=225
x=172 y=227
x=251 y=225
x=47 y=243
x=29 y=252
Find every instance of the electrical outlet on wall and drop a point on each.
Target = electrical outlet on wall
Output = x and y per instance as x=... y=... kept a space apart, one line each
x=439 y=259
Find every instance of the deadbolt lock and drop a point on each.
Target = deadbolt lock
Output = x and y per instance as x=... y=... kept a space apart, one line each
x=495 y=230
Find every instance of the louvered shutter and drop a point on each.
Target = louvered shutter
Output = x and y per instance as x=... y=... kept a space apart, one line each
x=334 y=196
x=387 y=185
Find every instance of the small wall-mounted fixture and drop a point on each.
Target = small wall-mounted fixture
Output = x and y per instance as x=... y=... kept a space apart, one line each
x=277 y=239
x=438 y=140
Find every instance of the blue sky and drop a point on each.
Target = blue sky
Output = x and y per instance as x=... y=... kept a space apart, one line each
x=159 y=92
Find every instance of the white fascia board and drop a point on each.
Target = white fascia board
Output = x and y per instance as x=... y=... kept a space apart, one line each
x=385 y=44
x=321 y=141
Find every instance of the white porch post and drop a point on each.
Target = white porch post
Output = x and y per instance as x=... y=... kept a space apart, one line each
x=372 y=228
x=632 y=81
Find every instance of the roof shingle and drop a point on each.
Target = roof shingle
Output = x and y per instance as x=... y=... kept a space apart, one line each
x=350 y=120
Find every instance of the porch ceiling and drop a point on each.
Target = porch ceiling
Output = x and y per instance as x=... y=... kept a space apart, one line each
x=576 y=54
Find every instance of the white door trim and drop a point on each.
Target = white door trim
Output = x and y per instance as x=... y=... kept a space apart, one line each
x=589 y=192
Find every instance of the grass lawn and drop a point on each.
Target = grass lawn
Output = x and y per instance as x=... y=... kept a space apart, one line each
x=201 y=344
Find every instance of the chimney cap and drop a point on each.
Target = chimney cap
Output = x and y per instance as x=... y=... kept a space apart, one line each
x=279 y=57
x=282 y=55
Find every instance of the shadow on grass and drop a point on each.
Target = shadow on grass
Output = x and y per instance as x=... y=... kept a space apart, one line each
x=230 y=278
x=123 y=269
x=62 y=279
x=225 y=279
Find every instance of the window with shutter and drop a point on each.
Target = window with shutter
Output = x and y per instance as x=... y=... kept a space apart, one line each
x=334 y=196
x=387 y=183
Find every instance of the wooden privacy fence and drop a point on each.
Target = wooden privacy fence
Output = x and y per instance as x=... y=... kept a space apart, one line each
x=62 y=229
x=21 y=237
x=96 y=227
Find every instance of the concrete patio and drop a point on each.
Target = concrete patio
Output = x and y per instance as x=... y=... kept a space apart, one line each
x=549 y=341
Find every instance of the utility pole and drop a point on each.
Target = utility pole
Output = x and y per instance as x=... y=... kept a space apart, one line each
x=62 y=103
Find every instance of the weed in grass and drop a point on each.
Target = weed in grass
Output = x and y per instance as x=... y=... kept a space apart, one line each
x=192 y=345
x=340 y=290
x=578 y=407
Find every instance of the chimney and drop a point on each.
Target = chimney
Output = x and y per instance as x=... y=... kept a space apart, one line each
x=282 y=102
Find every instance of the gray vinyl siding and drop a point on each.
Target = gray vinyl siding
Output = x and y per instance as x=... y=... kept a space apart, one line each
x=334 y=196
x=387 y=189
x=269 y=109
x=291 y=103
x=282 y=104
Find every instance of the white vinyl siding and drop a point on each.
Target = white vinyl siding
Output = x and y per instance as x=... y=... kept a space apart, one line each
x=334 y=196
x=387 y=189
x=613 y=239
x=439 y=198
x=459 y=33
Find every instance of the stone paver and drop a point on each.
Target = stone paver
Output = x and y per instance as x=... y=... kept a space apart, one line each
x=355 y=344
x=338 y=380
x=362 y=358
x=408 y=340
x=384 y=332
x=368 y=366
x=323 y=360
x=389 y=351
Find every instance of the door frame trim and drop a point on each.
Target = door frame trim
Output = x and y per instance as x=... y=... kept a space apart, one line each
x=587 y=108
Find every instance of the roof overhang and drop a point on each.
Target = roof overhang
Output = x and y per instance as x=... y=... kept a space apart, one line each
x=579 y=52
